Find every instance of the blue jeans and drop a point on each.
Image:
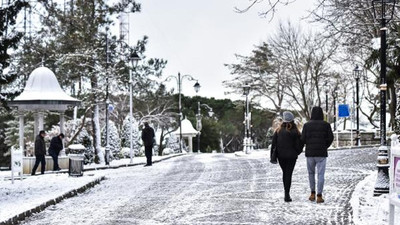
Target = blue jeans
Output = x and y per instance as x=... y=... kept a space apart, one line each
x=320 y=163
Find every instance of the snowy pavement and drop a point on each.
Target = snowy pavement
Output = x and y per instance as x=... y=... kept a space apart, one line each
x=210 y=189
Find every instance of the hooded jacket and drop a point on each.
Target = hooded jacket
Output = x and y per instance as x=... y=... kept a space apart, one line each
x=317 y=134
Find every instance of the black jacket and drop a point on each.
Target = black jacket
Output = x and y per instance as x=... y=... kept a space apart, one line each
x=287 y=143
x=147 y=136
x=40 y=145
x=317 y=134
x=56 y=145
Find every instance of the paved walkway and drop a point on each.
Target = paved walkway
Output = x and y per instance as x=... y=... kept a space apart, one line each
x=215 y=189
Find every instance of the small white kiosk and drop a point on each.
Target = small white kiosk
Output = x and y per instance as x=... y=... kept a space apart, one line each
x=394 y=193
x=42 y=93
x=187 y=132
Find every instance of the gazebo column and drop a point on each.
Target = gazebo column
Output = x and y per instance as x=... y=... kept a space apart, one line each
x=41 y=116
x=21 y=131
x=190 y=144
x=62 y=121
x=38 y=123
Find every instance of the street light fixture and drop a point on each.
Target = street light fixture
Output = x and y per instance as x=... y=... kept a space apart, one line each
x=247 y=140
x=196 y=86
x=357 y=75
x=134 y=59
x=383 y=11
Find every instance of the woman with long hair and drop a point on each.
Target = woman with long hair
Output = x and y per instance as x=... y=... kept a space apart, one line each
x=286 y=142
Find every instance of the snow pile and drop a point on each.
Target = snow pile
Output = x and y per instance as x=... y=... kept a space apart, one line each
x=367 y=209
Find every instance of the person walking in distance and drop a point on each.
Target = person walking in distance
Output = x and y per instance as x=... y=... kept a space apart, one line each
x=40 y=152
x=147 y=138
x=317 y=136
x=286 y=142
x=56 y=145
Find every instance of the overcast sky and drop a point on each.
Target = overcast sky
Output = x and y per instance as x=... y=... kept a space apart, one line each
x=199 y=37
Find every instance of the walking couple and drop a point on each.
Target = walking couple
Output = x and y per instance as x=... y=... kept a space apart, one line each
x=288 y=143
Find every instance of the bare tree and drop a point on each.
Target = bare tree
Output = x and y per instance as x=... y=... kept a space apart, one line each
x=295 y=66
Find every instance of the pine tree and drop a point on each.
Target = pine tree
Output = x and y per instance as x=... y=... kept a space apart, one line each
x=125 y=136
x=115 y=141
x=9 y=40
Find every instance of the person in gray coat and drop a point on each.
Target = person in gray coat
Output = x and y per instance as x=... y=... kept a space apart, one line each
x=40 y=152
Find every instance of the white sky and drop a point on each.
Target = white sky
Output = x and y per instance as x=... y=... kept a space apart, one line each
x=199 y=37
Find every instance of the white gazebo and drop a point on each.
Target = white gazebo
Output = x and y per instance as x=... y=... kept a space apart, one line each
x=42 y=92
x=187 y=132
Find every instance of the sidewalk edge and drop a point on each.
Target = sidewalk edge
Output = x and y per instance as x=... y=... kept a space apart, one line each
x=22 y=216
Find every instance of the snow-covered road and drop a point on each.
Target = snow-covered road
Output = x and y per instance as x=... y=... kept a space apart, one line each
x=215 y=189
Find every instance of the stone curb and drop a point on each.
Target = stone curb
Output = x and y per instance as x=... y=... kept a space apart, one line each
x=72 y=193
x=43 y=206
x=131 y=164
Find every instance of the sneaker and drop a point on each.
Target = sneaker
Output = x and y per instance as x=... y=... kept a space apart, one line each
x=312 y=196
x=320 y=199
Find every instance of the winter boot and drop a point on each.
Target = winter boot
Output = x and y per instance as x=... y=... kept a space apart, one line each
x=312 y=196
x=288 y=198
x=320 y=199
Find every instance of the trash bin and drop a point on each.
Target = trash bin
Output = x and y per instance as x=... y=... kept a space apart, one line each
x=75 y=167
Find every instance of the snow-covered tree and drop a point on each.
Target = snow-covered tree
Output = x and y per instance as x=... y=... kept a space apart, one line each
x=114 y=139
x=125 y=135
x=12 y=135
x=173 y=142
x=397 y=119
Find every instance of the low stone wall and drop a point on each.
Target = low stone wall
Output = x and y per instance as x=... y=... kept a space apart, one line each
x=366 y=138
x=29 y=162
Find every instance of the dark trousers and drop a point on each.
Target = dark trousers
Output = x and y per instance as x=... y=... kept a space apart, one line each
x=148 y=151
x=42 y=160
x=54 y=155
x=287 y=166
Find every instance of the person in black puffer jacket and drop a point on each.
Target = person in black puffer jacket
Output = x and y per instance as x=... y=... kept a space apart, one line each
x=286 y=142
x=317 y=136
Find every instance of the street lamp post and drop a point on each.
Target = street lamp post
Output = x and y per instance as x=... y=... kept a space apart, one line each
x=326 y=101
x=357 y=75
x=196 y=86
x=198 y=121
x=134 y=59
x=246 y=140
x=107 y=150
x=383 y=11
x=334 y=95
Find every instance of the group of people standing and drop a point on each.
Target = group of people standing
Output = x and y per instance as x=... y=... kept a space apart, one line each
x=288 y=142
x=56 y=145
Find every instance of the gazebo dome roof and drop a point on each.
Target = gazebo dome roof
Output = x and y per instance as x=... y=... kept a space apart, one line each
x=187 y=128
x=42 y=91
